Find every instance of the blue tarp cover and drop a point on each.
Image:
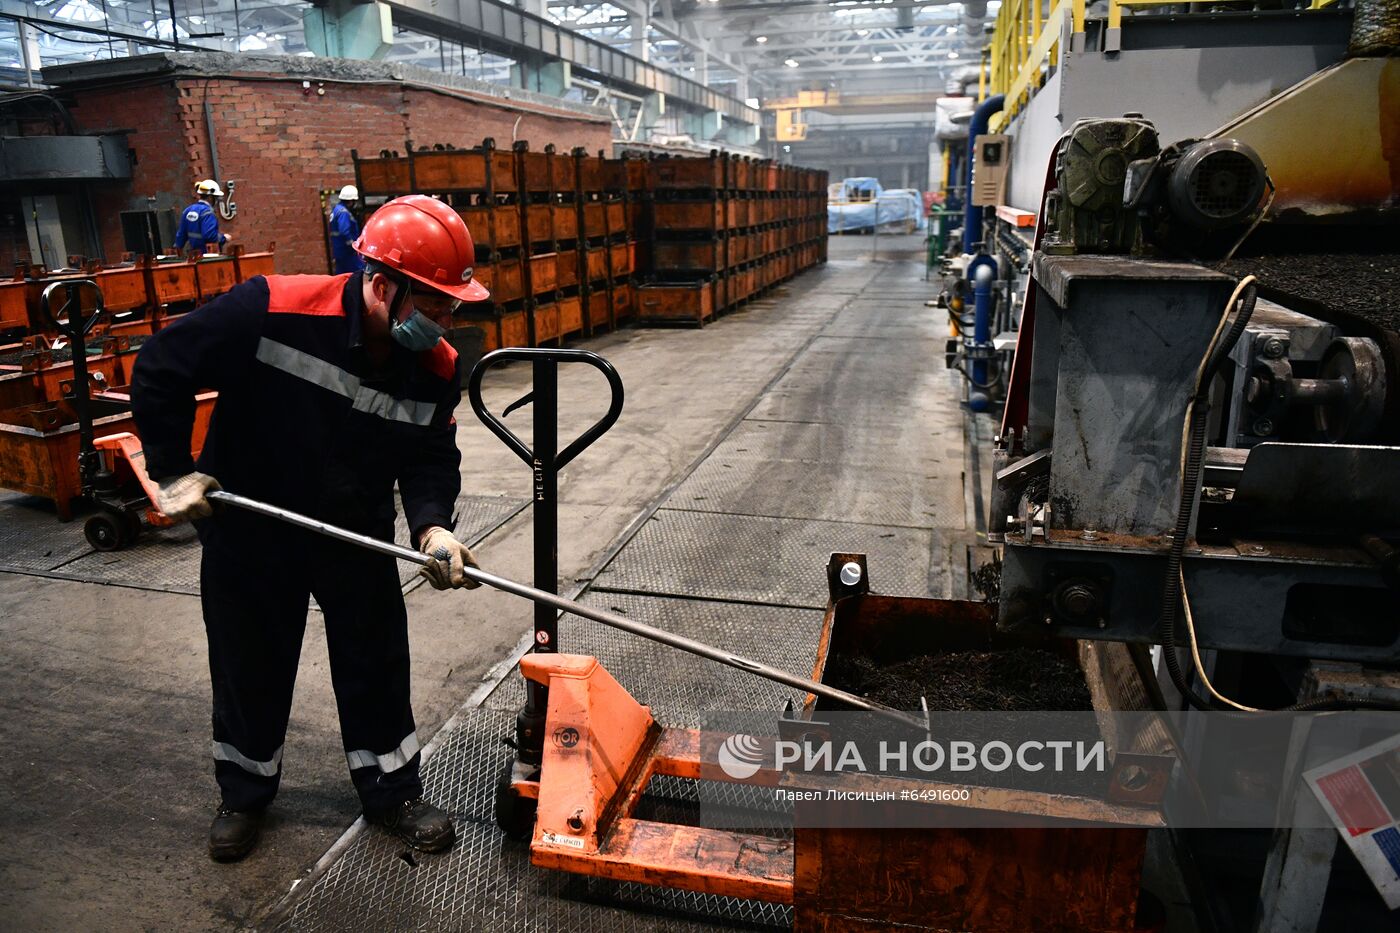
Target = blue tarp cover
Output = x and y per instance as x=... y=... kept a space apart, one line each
x=897 y=207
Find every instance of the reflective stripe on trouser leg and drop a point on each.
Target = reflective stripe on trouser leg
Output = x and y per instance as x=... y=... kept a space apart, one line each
x=226 y=752
x=367 y=640
x=392 y=761
x=254 y=615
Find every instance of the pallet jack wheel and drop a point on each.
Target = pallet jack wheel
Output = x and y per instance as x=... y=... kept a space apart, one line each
x=108 y=530
x=515 y=815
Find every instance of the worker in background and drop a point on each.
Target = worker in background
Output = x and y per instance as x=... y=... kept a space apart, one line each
x=344 y=231
x=199 y=224
x=332 y=389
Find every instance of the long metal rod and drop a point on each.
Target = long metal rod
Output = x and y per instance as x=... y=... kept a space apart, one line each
x=756 y=668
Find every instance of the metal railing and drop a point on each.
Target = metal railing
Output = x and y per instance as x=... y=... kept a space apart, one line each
x=1027 y=34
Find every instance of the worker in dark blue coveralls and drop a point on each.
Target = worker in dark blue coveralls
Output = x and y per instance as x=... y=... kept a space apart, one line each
x=199 y=224
x=332 y=389
x=345 y=230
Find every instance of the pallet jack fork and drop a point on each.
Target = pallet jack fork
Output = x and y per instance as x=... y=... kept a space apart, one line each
x=604 y=748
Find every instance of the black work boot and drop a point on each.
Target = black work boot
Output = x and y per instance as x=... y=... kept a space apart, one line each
x=232 y=835
x=418 y=823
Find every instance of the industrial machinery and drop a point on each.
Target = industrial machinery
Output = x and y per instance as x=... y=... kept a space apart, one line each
x=1202 y=422
x=1270 y=505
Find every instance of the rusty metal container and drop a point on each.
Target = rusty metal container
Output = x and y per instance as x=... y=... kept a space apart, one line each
x=686 y=255
x=495 y=226
x=594 y=219
x=505 y=278
x=543 y=273
x=539 y=223
x=388 y=176
x=534 y=167
x=452 y=170
x=623 y=302
x=570 y=315
x=680 y=173
x=173 y=280
x=14 y=308
x=214 y=275
x=1057 y=878
x=589 y=171
x=39 y=443
x=565 y=221
x=565 y=176
x=124 y=289
x=566 y=268
x=596 y=263
x=598 y=309
x=690 y=301
x=623 y=258
x=741 y=174
x=616 y=217
x=687 y=215
x=505 y=329
x=253 y=264
x=546 y=323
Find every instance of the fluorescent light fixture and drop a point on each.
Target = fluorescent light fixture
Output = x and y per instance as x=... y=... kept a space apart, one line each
x=791 y=63
x=760 y=39
x=952 y=54
x=877 y=57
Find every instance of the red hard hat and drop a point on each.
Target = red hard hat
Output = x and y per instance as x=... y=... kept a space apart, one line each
x=425 y=240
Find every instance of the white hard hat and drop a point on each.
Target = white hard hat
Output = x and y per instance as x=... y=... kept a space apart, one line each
x=209 y=186
x=349 y=193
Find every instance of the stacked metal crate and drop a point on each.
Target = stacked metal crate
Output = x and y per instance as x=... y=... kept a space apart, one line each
x=549 y=217
x=560 y=237
x=687 y=239
x=605 y=248
x=724 y=229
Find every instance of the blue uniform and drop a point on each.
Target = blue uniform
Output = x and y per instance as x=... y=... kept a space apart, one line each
x=198 y=225
x=304 y=420
x=344 y=232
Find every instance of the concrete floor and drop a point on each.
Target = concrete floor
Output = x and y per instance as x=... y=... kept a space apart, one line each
x=105 y=784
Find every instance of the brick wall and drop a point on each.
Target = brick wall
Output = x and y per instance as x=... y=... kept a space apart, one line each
x=160 y=168
x=282 y=145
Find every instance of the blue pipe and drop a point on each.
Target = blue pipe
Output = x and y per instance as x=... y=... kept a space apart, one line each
x=983 y=272
x=972 y=216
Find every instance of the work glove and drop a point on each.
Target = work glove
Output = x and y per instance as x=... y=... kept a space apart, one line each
x=446 y=573
x=183 y=497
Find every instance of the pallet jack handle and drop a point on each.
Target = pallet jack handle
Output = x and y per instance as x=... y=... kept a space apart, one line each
x=545 y=460
x=75 y=327
x=563 y=604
